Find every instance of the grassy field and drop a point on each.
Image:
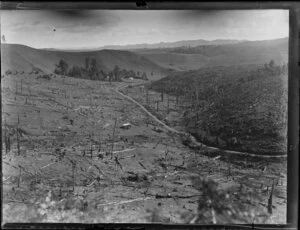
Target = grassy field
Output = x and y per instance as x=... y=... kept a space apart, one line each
x=60 y=168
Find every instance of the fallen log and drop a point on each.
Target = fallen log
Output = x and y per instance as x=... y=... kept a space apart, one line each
x=159 y=196
x=125 y=202
x=177 y=166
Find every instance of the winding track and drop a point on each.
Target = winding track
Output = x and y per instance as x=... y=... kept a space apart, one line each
x=192 y=138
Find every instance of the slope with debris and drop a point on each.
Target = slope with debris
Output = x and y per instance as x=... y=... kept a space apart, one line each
x=74 y=163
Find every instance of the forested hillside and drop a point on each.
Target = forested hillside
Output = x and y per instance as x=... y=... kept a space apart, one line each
x=236 y=107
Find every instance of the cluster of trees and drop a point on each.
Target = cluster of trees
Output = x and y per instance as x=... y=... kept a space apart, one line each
x=10 y=72
x=275 y=69
x=136 y=75
x=92 y=71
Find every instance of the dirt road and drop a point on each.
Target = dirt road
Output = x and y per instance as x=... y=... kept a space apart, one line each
x=191 y=138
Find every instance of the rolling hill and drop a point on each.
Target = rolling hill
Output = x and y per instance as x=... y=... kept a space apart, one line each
x=158 y=61
x=23 y=58
x=242 y=53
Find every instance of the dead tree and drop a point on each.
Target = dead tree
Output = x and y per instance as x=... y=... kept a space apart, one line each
x=147 y=96
x=118 y=163
x=157 y=106
x=8 y=143
x=40 y=119
x=21 y=86
x=91 y=151
x=162 y=96
x=29 y=89
x=99 y=146
x=18 y=137
x=147 y=119
x=16 y=88
x=270 y=200
x=113 y=139
x=5 y=136
x=19 y=177
x=73 y=173
x=168 y=105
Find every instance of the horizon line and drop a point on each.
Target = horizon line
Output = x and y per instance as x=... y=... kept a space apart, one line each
x=103 y=46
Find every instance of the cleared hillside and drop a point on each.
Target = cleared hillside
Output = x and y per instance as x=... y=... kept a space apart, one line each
x=243 y=53
x=23 y=58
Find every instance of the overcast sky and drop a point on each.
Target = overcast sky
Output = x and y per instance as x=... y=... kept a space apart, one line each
x=94 y=28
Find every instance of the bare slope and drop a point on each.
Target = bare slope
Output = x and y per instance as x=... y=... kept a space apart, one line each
x=63 y=173
x=23 y=58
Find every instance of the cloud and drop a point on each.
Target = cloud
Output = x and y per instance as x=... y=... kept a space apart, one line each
x=85 y=18
x=68 y=20
x=104 y=27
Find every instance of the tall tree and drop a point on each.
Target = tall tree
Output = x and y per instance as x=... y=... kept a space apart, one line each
x=113 y=139
x=271 y=64
x=144 y=76
x=62 y=68
x=93 y=69
x=87 y=63
x=75 y=71
x=116 y=73
x=93 y=63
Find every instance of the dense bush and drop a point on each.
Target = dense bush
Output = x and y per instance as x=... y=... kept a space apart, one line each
x=61 y=68
x=217 y=206
x=8 y=72
x=44 y=76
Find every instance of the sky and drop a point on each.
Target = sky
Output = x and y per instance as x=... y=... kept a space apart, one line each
x=96 y=28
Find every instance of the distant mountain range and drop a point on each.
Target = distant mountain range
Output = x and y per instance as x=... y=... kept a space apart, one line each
x=187 y=43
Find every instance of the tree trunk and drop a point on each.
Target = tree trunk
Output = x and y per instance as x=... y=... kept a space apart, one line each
x=168 y=105
x=147 y=97
x=16 y=88
x=19 y=178
x=73 y=169
x=18 y=138
x=113 y=139
x=91 y=151
x=5 y=137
